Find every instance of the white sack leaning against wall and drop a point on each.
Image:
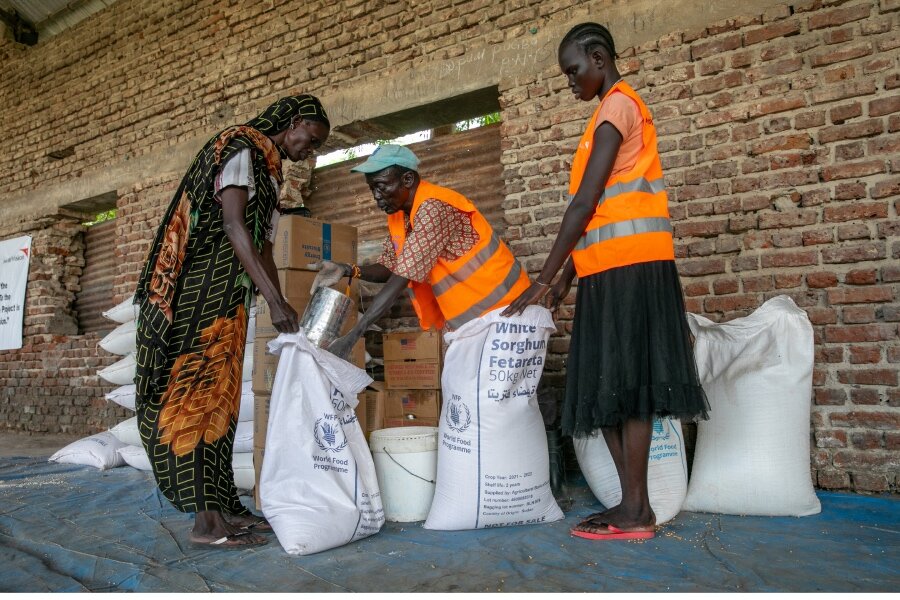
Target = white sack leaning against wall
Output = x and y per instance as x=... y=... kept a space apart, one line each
x=493 y=466
x=752 y=456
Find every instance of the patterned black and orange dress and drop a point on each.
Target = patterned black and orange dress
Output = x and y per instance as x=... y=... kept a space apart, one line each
x=194 y=297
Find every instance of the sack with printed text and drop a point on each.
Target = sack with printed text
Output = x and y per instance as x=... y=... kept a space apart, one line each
x=317 y=487
x=493 y=466
x=667 y=476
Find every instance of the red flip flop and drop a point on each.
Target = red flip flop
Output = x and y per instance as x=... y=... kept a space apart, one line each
x=616 y=534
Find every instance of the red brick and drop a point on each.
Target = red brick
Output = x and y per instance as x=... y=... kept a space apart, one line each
x=852 y=170
x=771 y=32
x=718 y=304
x=832 y=479
x=831 y=438
x=881 y=332
x=846 y=52
x=886 y=188
x=701 y=228
x=848 y=89
x=871 y=419
x=884 y=106
x=861 y=277
x=817 y=236
x=780 y=143
x=838 y=16
x=790 y=259
x=790 y=218
x=696 y=267
x=854 y=253
x=839 y=114
x=854 y=231
x=788 y=280
x=870 y=482
x=715 y=46
x=858 y=314
x=892 y=440
x=775 y=105
x=853 y=212
x=834 y=354
x=890 y=273
x=820 y=279
x=725 y=286
x=869 y=377
x=864 y=355
x=763 y=283
x=866 y=440
x=852 y=190
x=700 y=288
x=865 y=396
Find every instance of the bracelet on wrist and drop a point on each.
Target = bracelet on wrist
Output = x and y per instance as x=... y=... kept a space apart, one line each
x=542 y=283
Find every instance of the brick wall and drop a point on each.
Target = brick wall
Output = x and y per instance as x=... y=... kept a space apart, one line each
x=51 y=384
x=778 y=133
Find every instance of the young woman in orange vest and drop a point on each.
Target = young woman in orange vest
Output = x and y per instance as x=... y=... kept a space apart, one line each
x=630 y=357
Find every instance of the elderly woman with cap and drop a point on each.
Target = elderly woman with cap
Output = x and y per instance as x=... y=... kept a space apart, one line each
x=211 y=255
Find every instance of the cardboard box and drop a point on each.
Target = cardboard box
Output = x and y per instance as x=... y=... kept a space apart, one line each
x=295 y=286
x=413 y=374
x=264 y=366
x=258 y=454
x=260 y=419
x=421 y=404
x=396 y=422
x=301 y=241
x=375 y=400
x=412 y=345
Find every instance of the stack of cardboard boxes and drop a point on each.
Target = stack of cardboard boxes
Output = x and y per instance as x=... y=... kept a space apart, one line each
x=412 y=372
x=300 y=242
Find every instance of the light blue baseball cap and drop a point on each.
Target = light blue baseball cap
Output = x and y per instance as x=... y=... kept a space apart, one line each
x=388 y=156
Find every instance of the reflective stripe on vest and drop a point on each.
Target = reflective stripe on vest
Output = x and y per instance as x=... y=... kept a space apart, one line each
x=467 y=287
x=628 y=187
x=491 y=299
x=624 y=228
x=469 y=268
x=633 y=202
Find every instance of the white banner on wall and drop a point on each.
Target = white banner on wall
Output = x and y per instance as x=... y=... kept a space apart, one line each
x=15 y=256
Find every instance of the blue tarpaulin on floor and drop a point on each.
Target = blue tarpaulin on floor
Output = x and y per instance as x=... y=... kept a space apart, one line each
x=71 y=528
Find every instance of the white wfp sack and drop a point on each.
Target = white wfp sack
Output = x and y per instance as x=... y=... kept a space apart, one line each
x=318 y=484
x=121 y=372
x=99 y=450
x=122 y=312
x=124 y=395
x=493 y=467
x=246 y=410
x=122 y=340
x=666 y=469
x=127 y=432
x=243 y=437
x=244 y=475
x=247 y=372
x=136 y=456
x=752 y=456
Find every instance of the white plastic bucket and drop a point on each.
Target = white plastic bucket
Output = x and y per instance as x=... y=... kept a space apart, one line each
x=406 y=466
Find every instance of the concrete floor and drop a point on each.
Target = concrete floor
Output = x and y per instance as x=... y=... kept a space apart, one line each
x=14 y=443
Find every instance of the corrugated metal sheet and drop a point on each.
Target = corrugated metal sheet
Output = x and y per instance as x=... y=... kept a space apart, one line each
x=97 y=278
x=468 y=162
x=52 y=16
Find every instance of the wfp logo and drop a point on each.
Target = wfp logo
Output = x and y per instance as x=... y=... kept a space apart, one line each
x=458 y=417
x=657 y=427
x=338 y=401
x=327 y=436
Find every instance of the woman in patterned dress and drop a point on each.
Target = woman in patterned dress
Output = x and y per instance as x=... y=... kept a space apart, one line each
x=211 y=254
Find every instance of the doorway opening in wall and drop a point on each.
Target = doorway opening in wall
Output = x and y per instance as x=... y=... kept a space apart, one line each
x=99 y=271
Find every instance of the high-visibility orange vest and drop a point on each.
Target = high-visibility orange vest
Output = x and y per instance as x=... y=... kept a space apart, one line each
x=485 y=278
x=631 y=222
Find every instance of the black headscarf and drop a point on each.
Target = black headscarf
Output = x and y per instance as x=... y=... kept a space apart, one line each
x=277 y=117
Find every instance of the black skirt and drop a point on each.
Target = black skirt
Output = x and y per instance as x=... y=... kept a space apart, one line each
x=630 y=356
